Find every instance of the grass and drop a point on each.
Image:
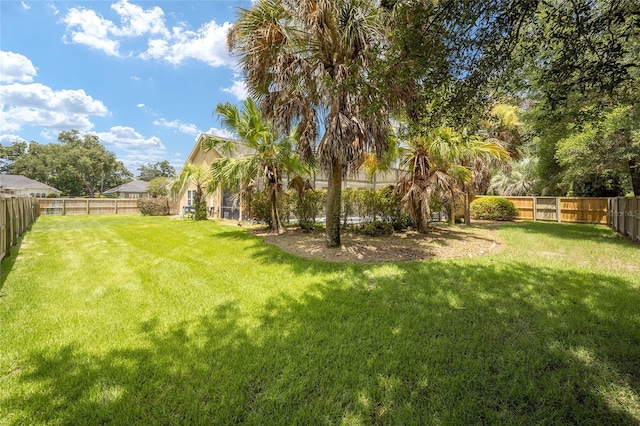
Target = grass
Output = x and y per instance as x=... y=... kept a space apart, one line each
x=136 y=320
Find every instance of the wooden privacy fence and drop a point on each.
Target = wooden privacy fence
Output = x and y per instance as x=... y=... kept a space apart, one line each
x=562 y=209
x=83 y=206
x=16 y=214
x=624 y=216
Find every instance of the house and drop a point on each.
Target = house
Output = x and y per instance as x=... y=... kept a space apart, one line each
x=221 y=204
x=21 y=185
x=133 y=189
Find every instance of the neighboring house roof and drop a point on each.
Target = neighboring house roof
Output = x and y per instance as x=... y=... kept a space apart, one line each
x=23 y=182
x=133 y=186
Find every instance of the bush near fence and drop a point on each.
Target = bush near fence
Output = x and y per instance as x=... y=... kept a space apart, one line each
x=16 y=214
x=561 y=209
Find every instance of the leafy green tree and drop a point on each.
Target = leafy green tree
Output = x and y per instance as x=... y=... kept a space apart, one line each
x=614 y=140
x=158 y=187
x=583 y=72
x=311 y=64
x=9 y=154
x=86 y=160
x=155 y=170
x=263 y=155
x=77 y=165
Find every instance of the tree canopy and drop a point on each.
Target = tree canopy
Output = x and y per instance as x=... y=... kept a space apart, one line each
x=160 y=169
x=76 y=165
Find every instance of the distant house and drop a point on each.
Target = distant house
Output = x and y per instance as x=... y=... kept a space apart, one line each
x=133 y=189
x=221 y=203
x=21 y=185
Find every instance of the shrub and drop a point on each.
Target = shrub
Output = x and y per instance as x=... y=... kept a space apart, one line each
x=377 y=228
x=153 y=206
x=261 y=207
x=201 y=211
x=307 y=207
x=493 y=208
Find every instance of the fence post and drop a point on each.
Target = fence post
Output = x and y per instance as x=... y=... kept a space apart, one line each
x=558 y=211
x=88 y=205
x=64 y=207
x=115 y=210
x=635 y=218
x=535 y=208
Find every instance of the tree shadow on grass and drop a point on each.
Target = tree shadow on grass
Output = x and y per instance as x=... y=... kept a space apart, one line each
x=415 y=343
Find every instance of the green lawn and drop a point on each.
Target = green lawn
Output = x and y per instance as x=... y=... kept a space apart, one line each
x=136 y=320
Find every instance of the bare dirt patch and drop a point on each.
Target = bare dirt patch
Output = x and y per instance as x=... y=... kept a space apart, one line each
x=439 y=243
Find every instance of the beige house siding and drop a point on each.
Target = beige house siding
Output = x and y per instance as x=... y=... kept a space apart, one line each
x=204 y=159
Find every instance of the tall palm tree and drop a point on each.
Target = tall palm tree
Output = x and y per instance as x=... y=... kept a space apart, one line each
x=260 y=154
x=201 y=178
x=307 y=61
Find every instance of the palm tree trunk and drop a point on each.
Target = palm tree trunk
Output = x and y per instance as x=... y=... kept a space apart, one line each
x=334 y=195
x=423 y=219
x=467 y=206
x=452 y=213
x=276 y=226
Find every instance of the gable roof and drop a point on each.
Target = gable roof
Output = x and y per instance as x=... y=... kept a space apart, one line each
x=133 y=186
x=23 y=182
x=241 y=149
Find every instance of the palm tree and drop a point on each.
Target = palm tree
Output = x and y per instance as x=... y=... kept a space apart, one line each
x=479 y=155
x=259 y=154
x=201 y=178
x=307 y=62
x=443 y=164
x=520 y=181
x=430 y=171
x=505 y=126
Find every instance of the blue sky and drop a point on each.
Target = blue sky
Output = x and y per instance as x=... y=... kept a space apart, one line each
x=145 y=76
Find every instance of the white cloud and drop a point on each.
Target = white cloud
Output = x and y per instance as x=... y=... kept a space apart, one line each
x=87 y=28
x=128 y=139
x=207 y=44
x=136 y=21
x=140 y=105
x=223 y=133
x=25 y=5
x=238 y=89
x=192 y=129
x=15 y=67
x=189 y=129
x=38 y=105
x=8 y=139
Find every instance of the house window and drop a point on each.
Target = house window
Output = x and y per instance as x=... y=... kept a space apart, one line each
x=134 y=195
x=190 y=195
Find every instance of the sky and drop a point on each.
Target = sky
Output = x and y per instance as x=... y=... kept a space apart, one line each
x=145 y=76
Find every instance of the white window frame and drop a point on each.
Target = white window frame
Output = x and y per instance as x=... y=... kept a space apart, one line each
x=190 y=195
x=134 y=195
